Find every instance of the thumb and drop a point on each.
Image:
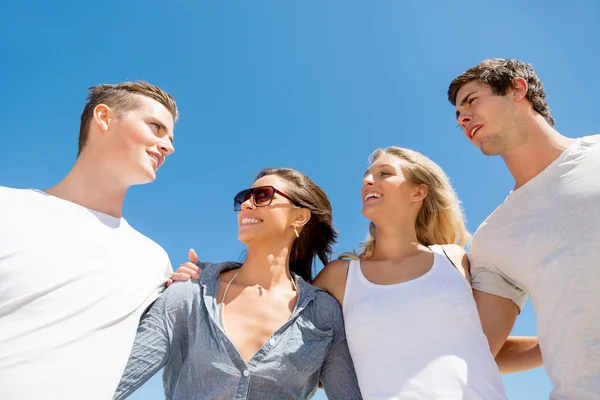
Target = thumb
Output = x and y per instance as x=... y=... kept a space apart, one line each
x=192 y=256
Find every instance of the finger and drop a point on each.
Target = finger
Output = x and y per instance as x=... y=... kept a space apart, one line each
x=192 y=256
x=192 y=267
x=189 y=269
x=180 y=276
x=169 y=281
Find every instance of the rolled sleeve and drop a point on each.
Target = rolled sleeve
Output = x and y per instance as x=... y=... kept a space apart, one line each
x=491 y=281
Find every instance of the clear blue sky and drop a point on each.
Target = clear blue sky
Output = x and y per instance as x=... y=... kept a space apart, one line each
x=312 y=85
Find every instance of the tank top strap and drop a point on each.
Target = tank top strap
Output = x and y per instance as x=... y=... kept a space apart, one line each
x=439 y=250
x=353 y=273
x=352 y=279
x=353 y=266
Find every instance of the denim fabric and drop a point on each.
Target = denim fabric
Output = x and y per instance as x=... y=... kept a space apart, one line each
x=181 y=334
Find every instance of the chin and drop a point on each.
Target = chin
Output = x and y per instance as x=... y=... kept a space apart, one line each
x=368 y=212
x=486 y=150
x=148 y=176
x=245 y=238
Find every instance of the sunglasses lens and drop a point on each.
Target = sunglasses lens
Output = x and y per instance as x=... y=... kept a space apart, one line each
x=263 y=196
x=241 y=197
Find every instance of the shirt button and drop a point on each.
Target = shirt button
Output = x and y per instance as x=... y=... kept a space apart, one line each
x=272 y=342
x=246 y=372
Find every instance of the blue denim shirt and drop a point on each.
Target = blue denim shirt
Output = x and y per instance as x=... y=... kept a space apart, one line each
x=181 y=334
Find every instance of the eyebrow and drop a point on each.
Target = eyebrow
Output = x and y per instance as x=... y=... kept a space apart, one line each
x=464 y=101
x=376 y=167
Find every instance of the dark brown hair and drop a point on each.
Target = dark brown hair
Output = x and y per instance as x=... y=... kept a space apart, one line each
x=499 y=74
x=318 y=235
x=121 y=97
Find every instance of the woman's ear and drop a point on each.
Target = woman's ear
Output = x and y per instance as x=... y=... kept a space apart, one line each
x=420 y=193
x=302 y=217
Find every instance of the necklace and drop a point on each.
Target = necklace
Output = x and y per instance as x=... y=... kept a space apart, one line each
x=221 y=305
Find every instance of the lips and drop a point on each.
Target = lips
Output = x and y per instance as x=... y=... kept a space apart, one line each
x=247 y=219
x=158 y=160
x=250 y=221
x=473 y=129
x=370 y=195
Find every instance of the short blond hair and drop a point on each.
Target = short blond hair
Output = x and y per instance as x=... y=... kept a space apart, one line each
x=121 y=97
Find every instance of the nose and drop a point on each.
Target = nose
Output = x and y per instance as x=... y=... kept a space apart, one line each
x=368 y=179
x=248 y=204
x=165 y=147
x=464 y=119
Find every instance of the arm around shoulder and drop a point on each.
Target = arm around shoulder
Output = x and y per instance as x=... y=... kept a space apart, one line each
x=158 y=330
x=519 y=353
x=332 y=279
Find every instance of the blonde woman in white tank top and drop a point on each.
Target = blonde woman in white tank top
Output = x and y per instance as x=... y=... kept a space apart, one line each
x=411 y=321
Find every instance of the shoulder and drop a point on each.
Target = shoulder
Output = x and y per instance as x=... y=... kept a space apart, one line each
x=459 y=257
x=17 y=202
x=14 y=193
x=454 y=250
x=332 y=273
x=327 y=303
x=326 y=313
x=144 y=241
x=592 y=138
x=332 y=278
x=180 y=292
x=180 y=298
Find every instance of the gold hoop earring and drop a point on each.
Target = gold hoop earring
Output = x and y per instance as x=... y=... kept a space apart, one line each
x=296 y=232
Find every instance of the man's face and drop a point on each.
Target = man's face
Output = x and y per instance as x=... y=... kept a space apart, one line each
x=139 y=141
x=487 y=120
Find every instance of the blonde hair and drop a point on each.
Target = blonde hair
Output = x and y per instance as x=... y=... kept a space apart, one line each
x=440 y=220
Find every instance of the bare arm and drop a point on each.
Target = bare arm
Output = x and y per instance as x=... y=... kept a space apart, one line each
x=332 y=279
x=498 y=316
x=519 y=353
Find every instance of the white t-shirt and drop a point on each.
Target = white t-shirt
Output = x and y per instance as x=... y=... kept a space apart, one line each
x=73 y=286
x=544 y=241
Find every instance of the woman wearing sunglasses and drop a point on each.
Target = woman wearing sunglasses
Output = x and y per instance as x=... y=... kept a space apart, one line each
x=257 y=329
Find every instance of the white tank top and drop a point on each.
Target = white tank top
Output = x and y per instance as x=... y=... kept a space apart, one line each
x=421 y=339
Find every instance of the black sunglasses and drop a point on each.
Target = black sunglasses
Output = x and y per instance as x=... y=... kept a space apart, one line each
x=262 y=196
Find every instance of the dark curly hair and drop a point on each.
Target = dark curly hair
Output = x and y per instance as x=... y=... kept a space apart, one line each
x=500 y=74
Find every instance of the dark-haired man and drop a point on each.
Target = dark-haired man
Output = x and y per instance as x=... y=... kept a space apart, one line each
x=543 y=240
x=75 y=276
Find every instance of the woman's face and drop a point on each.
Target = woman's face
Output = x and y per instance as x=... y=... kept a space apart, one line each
x=386 y=193
x=267 y=223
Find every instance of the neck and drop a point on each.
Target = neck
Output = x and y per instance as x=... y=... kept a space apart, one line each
x=395 y=241
x=543 y=144
x=91 y=188
x=267 y=267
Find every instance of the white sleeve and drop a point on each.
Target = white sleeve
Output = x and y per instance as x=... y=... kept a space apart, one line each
x=490 y=280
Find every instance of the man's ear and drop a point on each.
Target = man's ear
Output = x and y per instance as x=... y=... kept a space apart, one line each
x=102 y=117
x=519 y=89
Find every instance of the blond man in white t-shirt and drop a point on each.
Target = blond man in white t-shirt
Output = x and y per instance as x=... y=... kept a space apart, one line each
x=543 y=240
x=75 y=277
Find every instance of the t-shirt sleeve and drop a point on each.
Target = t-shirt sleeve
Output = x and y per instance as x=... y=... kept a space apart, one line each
x=488 y=279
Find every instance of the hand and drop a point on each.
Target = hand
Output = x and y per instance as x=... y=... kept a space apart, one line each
x=187 y=270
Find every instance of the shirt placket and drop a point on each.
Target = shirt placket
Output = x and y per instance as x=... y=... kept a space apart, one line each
x=245 y=370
